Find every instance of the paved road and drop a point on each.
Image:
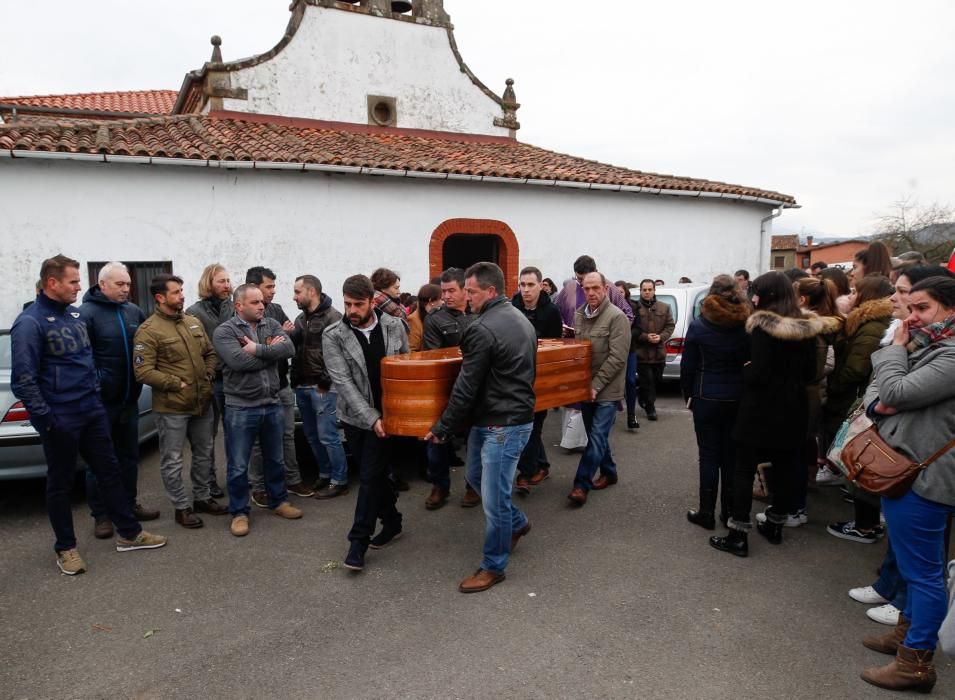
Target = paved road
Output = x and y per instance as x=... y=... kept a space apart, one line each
x=620 y=599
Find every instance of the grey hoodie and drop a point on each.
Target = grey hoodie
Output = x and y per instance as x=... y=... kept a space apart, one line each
x=251 y=380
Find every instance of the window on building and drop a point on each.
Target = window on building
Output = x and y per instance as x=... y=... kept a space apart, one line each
x=805 y=261
x=779 y=262
x=140 y=275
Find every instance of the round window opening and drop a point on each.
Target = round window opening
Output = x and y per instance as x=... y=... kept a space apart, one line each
x=382 y=113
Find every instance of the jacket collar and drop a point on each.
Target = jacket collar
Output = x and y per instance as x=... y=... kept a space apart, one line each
x=161 y=314
x=871 y=310
x=724 y=313
x=43 y=301
x=784 y=327
x=494 y=302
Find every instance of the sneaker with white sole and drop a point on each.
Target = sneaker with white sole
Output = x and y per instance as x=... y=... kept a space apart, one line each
x=867 y=595
x=144 y=540
x=826 y=477
x=884 y=614
x=792 y=520
x=70 y=562
x=848 y=531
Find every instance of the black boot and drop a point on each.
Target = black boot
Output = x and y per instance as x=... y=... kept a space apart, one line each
x=771 y=531
x=735 y=542
x=632 y=422
x=704 y=516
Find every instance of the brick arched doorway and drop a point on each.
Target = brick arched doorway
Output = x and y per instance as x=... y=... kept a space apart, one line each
x=478 y=239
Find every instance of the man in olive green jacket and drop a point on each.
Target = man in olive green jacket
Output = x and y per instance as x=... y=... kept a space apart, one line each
x=608 y=330
x=173 y=355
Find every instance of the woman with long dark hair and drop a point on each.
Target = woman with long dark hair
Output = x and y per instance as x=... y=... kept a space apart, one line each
x=912 y=400
x=843 y=288
x=773 y=417
x=711 y=376
x=874 y=260
x=429 y=298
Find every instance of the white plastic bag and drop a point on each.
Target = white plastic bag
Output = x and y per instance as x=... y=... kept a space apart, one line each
x=946 y=634
x=573 y=436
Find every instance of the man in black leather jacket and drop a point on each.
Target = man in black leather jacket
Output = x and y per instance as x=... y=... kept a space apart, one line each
x=494 y=391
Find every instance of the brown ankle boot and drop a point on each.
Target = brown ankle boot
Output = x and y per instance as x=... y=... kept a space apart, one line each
x=912 y=669
x=889 y=642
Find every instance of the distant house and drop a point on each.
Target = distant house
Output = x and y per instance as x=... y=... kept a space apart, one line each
x=783 y=252
x=787 y=252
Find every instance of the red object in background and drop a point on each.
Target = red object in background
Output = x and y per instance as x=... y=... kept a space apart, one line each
x=674 y=346
x=951 y=262
x=16 y=414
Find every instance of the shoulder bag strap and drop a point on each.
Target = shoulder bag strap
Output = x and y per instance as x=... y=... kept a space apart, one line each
x=950 y=445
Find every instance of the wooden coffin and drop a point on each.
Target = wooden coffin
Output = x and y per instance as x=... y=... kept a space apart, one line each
x=416 y=386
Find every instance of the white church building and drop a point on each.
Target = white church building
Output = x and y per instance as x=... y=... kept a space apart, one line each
x=360 y=140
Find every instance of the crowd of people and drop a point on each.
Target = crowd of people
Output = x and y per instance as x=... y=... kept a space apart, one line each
x=771 y=368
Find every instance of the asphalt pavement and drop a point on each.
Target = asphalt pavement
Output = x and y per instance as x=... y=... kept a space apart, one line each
x=622 y=598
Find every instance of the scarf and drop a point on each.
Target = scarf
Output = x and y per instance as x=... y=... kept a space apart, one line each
x=928 y=335
x=390 y=306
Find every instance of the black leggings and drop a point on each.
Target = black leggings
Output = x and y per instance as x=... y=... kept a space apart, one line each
x=783 y=477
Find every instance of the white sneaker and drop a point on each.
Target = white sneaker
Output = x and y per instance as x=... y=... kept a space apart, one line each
x=826 y=477
x=792 y=520
x=884 y=614
x=867 y=595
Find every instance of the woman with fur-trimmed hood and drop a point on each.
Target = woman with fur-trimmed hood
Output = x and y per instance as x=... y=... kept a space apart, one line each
x=711 y=376
x=773 y=413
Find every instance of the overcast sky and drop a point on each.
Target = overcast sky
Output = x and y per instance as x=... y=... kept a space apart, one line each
x=847 y=105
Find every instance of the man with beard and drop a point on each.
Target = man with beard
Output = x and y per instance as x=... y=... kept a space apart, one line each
x=353 y=349
x=316 y=398
x=173 y=355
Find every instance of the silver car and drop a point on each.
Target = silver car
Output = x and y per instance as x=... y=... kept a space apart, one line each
x=21 y=454
x=684 y=301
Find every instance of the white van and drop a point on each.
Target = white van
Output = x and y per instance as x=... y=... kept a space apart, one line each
x=684 y=301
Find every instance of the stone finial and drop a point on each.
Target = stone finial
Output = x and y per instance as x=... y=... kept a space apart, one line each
x=381 y=8
x=509 y=106
x=216 y=42
x=431 y=10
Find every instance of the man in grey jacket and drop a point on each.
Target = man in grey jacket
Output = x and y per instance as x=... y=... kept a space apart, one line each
x=249 y=346
x=353 y=349
x=608 y=331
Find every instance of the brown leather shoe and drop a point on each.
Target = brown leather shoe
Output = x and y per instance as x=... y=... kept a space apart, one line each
x=480 y=581
x=603 y=481
x=437 y=499
x=578 y=496
x=540 y=476
x=515 y=536
x=889 y=643
x=210 y=506
x=300 y=490
x=103 y=529
x=142 y=513
x=911 y=669
x=522 y=485
x=260 y=498
x=471 y=498
x=188 y=519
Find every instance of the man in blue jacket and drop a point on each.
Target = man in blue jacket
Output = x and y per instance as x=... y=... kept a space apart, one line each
x=111 y=322
x=54 y=376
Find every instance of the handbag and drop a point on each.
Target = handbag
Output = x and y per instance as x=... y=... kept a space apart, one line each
x=856 y=423
x=873 y=464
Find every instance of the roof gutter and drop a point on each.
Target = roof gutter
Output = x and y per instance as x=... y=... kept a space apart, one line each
x=16 y=109
x=384 y=172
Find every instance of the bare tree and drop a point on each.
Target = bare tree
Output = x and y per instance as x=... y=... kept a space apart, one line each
x=907 y=225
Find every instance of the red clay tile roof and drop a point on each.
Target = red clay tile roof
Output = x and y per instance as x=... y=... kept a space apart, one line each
x=784 y=242
x=132 y=102
x=254 y=139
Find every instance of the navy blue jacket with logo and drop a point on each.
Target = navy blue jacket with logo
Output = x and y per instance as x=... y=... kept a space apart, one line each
x=52 y=361
x=111 y=326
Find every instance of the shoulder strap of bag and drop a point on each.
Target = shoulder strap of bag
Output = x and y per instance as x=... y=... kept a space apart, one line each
x=950 y=445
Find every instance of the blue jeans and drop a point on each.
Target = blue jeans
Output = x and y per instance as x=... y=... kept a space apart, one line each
x=124 y=429
x=320 y=424
x=242 y=425
x=631 y=378
x=439 y=463
x=890 y=584
x=917 y=533
x=83 y=432
x=713 y=422
x=492 y=461
x=599 y=417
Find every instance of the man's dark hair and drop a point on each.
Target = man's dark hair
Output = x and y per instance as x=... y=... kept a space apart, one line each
x=257 y=275
x=941 y=289
x=310 y=281
x=487 y=275
x=55 y=267
x=584 y=264
x=382 y=278
x=358 y=287
x=795 y=274
x=816 y=266
x=453 y=274
x=160 y=283
x=742 y=273
x=532 y=271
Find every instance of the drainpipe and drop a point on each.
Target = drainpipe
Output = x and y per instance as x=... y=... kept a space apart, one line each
x=763 y=248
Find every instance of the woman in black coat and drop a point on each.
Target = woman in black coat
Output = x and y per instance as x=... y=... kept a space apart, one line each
x=711 y=376
x=773 y=417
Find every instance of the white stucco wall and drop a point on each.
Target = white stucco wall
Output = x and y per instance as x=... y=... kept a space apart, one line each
x=337 y=225
x=337 y=58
